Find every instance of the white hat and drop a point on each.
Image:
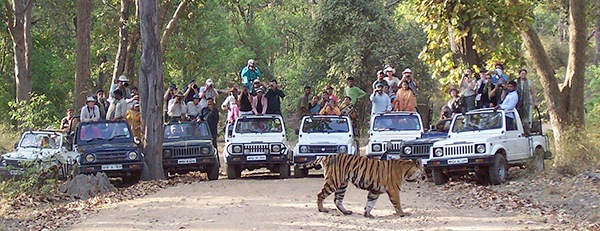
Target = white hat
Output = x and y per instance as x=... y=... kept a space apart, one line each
x=256 y=81
x=250 y=61
x=123 y=78
x=390 y=69
x=90 y=99
x=407 y=70
x=209 y=82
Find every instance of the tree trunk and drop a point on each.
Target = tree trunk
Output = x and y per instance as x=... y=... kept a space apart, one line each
x=123 y=41
x=575 y=76
x=18 y=22
x=132 y=48
x=151 y=89
x=102 y=75
x=82 y=75
x=171 y=25
x=597 y=36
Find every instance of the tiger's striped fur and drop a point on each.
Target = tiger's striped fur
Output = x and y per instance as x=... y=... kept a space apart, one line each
x=376 y=176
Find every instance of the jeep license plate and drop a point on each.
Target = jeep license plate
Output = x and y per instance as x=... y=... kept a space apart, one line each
x=458 y=161
x=393 y=156
x=252 y=158
x=112 y=167
x=15 y=172
x=186 y=161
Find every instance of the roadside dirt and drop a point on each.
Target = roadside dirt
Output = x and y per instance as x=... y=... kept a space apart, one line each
x=260 y=201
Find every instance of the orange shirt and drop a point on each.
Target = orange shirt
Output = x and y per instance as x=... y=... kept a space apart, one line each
x=330 y=111
x=405 y=100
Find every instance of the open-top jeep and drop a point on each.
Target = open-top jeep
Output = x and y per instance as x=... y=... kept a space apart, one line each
x=488 y=142
x=256 y=142
x=323 y=135
x=46 y=149
x=389 y=130
x=187 y=146
x=420 y=148
x=108 y=147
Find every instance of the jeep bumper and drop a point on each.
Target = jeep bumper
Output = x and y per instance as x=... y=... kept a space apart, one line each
x=113 y=169
x=259 y=160
x=189 y=163
x=461 y=163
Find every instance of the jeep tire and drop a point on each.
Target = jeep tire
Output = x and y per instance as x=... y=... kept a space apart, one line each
x=299 y=173
x=233 y=172
x=498 y=170
x=213 y=172
x=284 y=171
x=439 y=178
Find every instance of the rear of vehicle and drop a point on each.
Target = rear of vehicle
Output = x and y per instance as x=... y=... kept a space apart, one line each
x=323 y=136
x=107 y=147
x=389 y=131
x=187 y=147
x=257 y=142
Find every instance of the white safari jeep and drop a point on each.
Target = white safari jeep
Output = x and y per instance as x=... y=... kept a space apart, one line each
x=255 y=142
x=323 y=135
x=487 y=142
x=388 y=131
x=47 y=149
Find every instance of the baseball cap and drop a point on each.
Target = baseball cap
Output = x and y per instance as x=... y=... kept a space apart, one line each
x=209 y=82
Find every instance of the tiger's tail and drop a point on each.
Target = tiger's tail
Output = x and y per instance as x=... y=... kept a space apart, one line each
x=316 y=164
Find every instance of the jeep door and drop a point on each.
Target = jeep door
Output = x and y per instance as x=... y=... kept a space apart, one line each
x=515 y=143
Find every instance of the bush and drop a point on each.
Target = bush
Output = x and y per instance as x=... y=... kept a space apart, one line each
x=581 y=151
x=32 y=114
x=8 y=137
x=32 y=182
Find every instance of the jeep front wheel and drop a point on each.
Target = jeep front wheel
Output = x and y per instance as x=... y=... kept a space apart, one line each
x=498 y=170
x=233 y=172
x=439 y=178
x=213 y=172
x=284 y=171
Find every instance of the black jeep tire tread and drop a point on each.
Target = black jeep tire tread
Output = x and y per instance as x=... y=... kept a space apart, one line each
x=213 y=172
x=498 y=170
x=284 y=171
x=233 y=172
x=439 y=178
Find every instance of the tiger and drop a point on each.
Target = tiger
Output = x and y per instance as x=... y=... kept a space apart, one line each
x=376 y=176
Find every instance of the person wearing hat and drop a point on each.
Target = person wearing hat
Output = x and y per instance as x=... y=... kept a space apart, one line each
x=391 y=79
x=407 y=76
x=90 y=112
x=123 y=85
x=405 y=99
x=332 y=96
x=380 y=79
x=207 y=91
x=250 y=73
x=191 y=90
x=134 y=119
x=169 y=94
x=353 y=91
x=256 y=84
x=380 y=101
x=274 y=96
x=177 y=108
x=193 y=108
x=231 y=105
x=259 y=103
x=66 y=121
x=118 y=107
x=304 y=102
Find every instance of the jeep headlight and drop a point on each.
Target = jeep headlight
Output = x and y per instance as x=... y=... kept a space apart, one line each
x=205 y=150
x=376 y=147
x=132 y=155
x=167 y=153
x=276 y=148
x=90 y=158
x=407 y=150
x=303 y=149
x=480 y=148
x=236 y=149
x=438 y=152
x=3 y=161
x=342 y=149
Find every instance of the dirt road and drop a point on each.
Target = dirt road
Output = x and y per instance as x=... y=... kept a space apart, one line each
x=263 y=202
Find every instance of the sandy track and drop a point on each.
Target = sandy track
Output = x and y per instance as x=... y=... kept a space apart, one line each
x=263 y=202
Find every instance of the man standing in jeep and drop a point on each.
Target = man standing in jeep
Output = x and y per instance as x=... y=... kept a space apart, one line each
x=210 y=114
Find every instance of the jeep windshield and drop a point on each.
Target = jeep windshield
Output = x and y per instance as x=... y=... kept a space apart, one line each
x=40 y=140
x=396 y=123
x=186 y=131
x=258 y=125
x=104 y=131
x=325 y=125
x=477 y=122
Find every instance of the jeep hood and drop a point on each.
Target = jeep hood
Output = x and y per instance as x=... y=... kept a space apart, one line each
x=390 y=135
x=187 y=143
x=30 y=154
x=324 y=138
x=264 y=137
x=107 y=147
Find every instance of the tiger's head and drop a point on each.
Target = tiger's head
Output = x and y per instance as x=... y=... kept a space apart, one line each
x=413 y=170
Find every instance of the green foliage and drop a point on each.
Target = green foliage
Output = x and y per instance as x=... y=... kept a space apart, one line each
x=8 y=137
x=32 y=182
x=35 y=114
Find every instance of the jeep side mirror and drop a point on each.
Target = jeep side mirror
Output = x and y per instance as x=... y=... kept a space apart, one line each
x=16 y=145
x=297 y=131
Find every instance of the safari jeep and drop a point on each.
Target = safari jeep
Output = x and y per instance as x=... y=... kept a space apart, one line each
x=108 y=147
x=322 y=135
x=388 y=131
x=46 y=149
x=257 y=142
x=187 y=146
x=487 y=142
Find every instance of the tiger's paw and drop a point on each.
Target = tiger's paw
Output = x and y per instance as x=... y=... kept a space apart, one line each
x=368 y=215
x=323 y=210
x=347 y=212
x=403 y=214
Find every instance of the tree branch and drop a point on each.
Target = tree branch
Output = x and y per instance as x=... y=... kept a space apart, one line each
x=392 y=3
x=591 y=36
x=162 y=14
x=10 y=13
x=171 y=25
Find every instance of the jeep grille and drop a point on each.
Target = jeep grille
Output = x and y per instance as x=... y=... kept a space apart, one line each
x=111 y=156
x=189 y=151
x=396 y=146
x=322 y=149
x=421 y=149
x=256 y=148
x=459 y=150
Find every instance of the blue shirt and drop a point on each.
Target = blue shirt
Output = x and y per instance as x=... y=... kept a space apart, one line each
x=380 y=103
x=250 y=75
x=510 y=102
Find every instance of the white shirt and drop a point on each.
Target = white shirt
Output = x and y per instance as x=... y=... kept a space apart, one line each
x=117 y=108
x=174 y=109
x=510 y=102
x=192 y=109
x=229 y=102
x=88 y=114
x=380 y=103
x=205 y=95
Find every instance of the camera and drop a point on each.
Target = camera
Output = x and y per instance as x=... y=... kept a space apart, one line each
x=125 y=84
